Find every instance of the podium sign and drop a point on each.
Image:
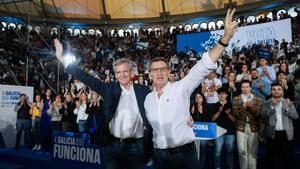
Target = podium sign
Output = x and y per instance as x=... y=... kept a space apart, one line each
x=76 y=148
x=207 y=131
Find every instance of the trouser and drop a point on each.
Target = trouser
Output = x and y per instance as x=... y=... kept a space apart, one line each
x=125 y=155
x=36 y=128
x=247 y=143
x=182 y=157
x=280 y=145
x=201 y=147
x=228 y=141
x=23 y=125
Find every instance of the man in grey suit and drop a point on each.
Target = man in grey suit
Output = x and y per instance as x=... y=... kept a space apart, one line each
x=278 y=114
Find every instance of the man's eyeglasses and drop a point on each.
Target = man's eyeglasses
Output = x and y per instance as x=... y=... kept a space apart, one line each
x=161 y=69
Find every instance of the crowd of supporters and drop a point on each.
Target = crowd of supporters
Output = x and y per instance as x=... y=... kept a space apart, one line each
x=76 y=108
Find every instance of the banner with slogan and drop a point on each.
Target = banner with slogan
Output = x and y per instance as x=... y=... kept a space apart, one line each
x=75 y=148
x=9 y=97
x=207 y=131
x=265 y=33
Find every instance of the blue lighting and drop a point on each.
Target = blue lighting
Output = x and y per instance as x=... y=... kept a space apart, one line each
x=75 y=25
x=200 y=19
x=274 y=5
x=8 y=19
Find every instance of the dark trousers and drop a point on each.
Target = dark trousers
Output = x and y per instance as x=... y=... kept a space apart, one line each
x=125 y=155
x=36 y=128
x=56 y=125
x=279 y=147
x=182 y=157
x=23 y=125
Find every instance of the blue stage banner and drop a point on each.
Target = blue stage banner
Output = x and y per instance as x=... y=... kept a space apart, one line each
x=265 y=33
x=204 y=130
x=76 y=148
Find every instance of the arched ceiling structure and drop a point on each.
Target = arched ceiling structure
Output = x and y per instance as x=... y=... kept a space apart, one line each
x=124 y=11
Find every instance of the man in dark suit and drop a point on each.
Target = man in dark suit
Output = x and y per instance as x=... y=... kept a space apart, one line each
x=279 y=114
x=125 y=129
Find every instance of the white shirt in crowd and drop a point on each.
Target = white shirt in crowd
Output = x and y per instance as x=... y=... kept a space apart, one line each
x=127 y=122
x=169 y=114
x=278 y=113
x=80 y=112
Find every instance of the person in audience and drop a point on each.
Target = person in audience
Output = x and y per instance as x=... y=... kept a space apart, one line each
x=80 y=109
x=36 y=113
x=224 y=118
x=266 y=72
x=232 y=87
x=278 y=114
x=46 y=132
x=260 y=88
x=55 y=111
x=68 y=117
x=225 y=73
x=22 y=108
x=94 y=112
x=288 y=87
x=210 y=87
x=246 y=109
x=244 y=75
x=200 y=114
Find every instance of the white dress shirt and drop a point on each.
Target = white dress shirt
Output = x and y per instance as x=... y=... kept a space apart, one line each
x=80 y=112
x=278 y=113
x=127 y=122
x=169 y=114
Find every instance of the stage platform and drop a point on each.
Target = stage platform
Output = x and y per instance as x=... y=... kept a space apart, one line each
x=24 y=158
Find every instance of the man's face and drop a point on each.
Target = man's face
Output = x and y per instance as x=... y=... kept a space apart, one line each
x=262 y=62
x=159 y=73
x=123 y=73
x=254 y=74
x=246 y=89
x=172 y=77
x=277 y=91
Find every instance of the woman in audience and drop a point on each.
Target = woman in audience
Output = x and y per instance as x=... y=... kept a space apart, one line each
x=199 y=114
x=80 y=109
x=36 y=114
x=68 y=117
x=55 y=111
x=245 y=75
x=94 y=111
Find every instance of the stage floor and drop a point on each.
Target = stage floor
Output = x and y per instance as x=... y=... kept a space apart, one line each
x=24 y=158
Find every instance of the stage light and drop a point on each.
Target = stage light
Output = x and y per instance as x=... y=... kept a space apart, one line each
x=68 y=59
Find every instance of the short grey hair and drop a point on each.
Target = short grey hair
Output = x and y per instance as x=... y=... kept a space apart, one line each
x=132 y=65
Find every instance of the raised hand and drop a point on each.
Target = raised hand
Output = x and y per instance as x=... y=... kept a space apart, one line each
x=230 y=26
x=58 y=49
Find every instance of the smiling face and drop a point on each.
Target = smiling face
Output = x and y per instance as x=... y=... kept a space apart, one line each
x=277 y=91
x=159 y=73
x=123 y=73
